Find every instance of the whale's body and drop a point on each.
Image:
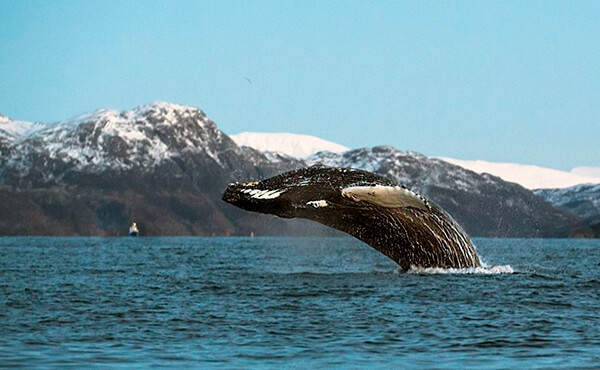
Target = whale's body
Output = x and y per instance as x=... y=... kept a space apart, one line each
x=397 y=222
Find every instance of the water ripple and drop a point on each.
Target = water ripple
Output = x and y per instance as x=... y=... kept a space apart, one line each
x=284 y=302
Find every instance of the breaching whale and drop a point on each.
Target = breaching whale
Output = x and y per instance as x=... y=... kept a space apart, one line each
x=404 y=226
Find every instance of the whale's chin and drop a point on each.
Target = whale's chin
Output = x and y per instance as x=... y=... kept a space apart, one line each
x=394 y=220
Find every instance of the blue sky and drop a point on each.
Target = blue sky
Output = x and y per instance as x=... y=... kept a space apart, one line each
x=503 y=81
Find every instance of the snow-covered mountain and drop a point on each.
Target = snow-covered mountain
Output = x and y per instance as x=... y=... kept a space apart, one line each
x=166 y=165
x=167 y=145
x=529 y=176
x=108 y=140
x=293 y=145
x=141 y=137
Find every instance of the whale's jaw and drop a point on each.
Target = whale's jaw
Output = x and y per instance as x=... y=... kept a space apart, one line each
x=392 y=219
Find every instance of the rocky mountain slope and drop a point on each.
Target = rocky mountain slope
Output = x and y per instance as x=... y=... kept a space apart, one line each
x=162 y=164
x=582 y=200
x=165 y=166
x=10 y=131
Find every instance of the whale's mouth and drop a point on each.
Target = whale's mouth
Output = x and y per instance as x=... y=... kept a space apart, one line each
x=256 y=196
x=236 y=192
x=287 y=200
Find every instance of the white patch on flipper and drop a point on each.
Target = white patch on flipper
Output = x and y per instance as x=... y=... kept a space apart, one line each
x=317 y=203
x=385 y=196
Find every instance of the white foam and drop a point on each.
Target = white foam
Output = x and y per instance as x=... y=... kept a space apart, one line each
x=483 y=270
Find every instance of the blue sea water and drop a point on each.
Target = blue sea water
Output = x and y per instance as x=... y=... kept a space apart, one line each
x=294 y=302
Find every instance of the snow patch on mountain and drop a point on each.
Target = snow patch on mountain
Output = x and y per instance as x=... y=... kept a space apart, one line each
x=529 y=176
x=587 y=171
x=293 y=145
x=15 y=130
x=583 y=199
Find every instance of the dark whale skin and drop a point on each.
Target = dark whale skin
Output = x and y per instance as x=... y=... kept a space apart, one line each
x=402 y=225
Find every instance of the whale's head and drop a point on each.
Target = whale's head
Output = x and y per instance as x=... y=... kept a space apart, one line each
x=312 y=191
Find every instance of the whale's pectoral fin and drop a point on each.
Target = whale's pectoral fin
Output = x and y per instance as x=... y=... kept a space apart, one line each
x=386 y=196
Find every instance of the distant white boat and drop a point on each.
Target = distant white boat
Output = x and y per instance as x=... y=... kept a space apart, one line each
x=133 y=229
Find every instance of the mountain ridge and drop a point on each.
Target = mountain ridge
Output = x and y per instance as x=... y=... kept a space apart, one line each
x=165 y=165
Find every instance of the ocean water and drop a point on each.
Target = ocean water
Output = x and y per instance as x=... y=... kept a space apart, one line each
x=294 y=302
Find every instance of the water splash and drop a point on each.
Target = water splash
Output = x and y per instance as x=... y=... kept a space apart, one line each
x=483 y=270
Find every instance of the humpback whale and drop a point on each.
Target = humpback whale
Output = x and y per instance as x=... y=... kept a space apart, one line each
x=404 y=226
